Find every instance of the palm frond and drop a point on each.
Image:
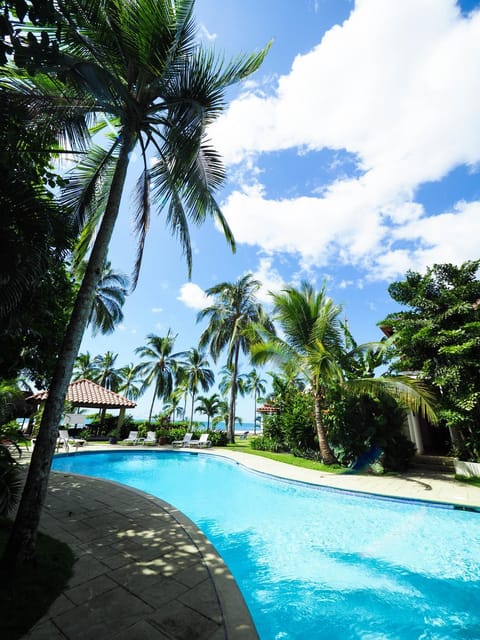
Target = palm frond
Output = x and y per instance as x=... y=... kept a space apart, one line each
x=411 y=393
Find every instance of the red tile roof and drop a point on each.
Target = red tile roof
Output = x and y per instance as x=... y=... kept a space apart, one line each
x=85 y=393
x=268 y=408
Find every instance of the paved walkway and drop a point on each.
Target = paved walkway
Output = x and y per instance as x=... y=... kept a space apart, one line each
x=144 y=571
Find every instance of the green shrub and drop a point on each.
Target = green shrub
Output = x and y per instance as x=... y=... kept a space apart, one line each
x=359 y=424
x=218 y=438
x=266 y=443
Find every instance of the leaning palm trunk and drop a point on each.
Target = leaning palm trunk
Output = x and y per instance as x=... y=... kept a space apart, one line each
x=21 y=545
x=327 y=454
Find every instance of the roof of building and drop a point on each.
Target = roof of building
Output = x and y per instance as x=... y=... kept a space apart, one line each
x=85 y=393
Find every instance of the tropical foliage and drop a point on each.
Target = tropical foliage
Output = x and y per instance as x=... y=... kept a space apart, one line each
x=135 y=68
x=314 y=346
x=234 y=318
x=438 y=338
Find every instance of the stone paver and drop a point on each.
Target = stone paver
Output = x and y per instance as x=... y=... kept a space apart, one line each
x=144 y=571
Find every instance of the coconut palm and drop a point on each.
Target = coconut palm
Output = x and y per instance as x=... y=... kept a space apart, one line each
x=196 y=373
x=109 y=298
x=233 y=319
x=209 y=406
x=84 y=367
x=131 y=381
x=134 y=70
x=106 y=374
x=160 y=366
x=313 y=343
x=256 y=385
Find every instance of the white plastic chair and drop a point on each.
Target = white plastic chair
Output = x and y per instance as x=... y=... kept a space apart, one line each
x=132 y=437
x=185 y=442
x=202 y=442
x=150 y=439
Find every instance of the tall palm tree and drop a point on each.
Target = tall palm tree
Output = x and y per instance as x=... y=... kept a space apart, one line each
x=209 y=406
x=160 y=366
x=135 y=69
x=106 y=375
x=313 y=344
x=84 y=367
x=196 y=373
x=131 y=383
x=110 y=294
x=256 y=385
x=233 y=319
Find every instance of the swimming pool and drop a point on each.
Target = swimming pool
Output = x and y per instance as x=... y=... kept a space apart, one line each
x=314 y=562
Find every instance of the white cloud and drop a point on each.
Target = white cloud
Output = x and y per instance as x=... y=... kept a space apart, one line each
x=205 y=33
x=270 y=278
x=157 y=310
x=193 y=296
x=397 y=86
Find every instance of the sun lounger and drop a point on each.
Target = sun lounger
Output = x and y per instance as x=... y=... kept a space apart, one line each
x=132 y=437
x=202 y=442
x=67 y=441
x=150 y=439
x=185 y=442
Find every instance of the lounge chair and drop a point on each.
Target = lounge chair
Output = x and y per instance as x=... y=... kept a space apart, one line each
x=183 y=443
x=132 y=437
x=244 y=435
x=67 y=441
x=202 y=442
x=150 y=439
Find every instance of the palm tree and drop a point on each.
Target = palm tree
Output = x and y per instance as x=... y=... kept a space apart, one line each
x=134 y=68
x=256 y=385
x=106 y=375
x=130 y=385
x=196 y=373
x=109 y=298
x=233 y=320
x=160 y=366
x=84 y=367
x=313 y=343
x=209 y=406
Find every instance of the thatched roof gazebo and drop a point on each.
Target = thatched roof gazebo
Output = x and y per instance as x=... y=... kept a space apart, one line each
x=87 y=394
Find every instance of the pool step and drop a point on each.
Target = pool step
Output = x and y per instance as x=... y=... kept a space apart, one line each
x=441 y=464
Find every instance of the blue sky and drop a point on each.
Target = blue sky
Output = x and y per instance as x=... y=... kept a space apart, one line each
x=352 y=155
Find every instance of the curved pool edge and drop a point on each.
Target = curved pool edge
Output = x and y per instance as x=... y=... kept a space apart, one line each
x=71 y=615
x=424 y=488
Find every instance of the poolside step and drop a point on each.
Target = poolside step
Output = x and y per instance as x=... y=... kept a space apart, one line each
x=433 y=463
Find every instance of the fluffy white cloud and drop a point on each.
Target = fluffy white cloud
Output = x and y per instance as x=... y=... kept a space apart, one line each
x=397 y=85
x=193 y=296
x=270 y=278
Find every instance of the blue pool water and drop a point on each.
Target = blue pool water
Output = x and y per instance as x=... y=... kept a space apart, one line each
x=315 y=563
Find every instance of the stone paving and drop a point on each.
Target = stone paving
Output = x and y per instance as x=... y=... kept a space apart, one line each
x=144 y=571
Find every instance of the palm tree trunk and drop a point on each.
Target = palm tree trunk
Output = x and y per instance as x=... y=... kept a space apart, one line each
x=233 y=397
x=153 y=402
x=22 y=541
x=191 y=413
x=327 y=454
x=254 y=412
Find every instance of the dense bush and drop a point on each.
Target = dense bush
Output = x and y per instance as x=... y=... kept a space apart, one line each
x=293 y=428
x=97 y=427
x=360 y=425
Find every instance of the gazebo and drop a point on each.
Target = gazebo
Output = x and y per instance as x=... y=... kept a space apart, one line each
x=87 y=394
x=267 y=410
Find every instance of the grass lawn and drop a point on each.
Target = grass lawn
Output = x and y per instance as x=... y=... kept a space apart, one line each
x=473 y=481
x=26 y=597
x=287 y=458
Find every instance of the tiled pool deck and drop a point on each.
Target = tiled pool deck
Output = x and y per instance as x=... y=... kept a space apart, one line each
x=145 y=572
